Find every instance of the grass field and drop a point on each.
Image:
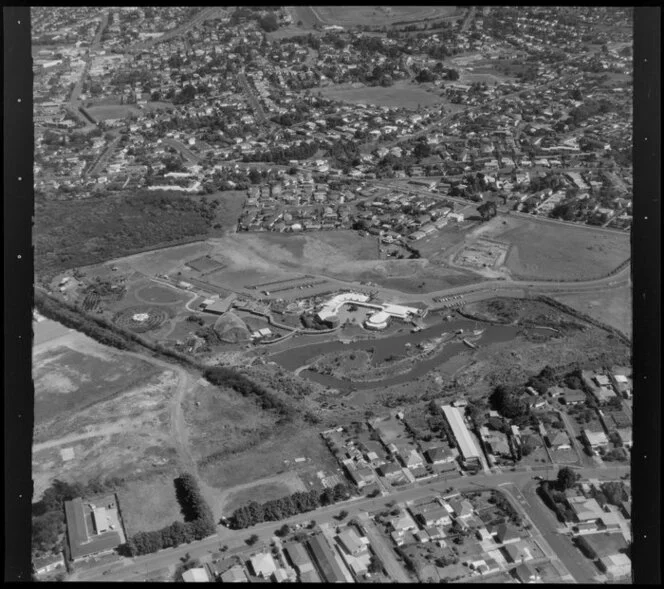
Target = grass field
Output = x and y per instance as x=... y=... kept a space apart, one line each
x=556 y=251
x=404 y=94
x=149 y=505
x=612 y=306
x=158 y=294
x=261 y=491
x=378 y=15
x=112 y=111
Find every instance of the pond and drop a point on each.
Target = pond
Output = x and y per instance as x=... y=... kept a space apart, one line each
x=395 y=345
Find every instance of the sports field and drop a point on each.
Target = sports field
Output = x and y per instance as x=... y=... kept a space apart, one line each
x=404 y=94
x=557 y=251
x=378 y=15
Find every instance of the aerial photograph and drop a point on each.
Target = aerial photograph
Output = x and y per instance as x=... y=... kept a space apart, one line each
x=332 y=294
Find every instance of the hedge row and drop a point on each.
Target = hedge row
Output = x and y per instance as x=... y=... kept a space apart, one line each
x=278 y=509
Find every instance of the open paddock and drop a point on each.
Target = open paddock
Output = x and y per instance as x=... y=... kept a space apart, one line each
x=260 y=491
x=166 y=260
x=158 y=294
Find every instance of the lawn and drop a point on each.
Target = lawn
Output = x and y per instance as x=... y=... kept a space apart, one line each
x=112 y=111
x=611 y=306
x=158 y=294
x=557 y=251
x=149 y=505
x=404 y=94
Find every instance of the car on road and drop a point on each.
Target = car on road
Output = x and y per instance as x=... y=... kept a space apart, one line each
x=538 y=478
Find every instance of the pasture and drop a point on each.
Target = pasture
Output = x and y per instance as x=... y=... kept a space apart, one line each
x=402 y=94
x=265 y=490
x=158 y=294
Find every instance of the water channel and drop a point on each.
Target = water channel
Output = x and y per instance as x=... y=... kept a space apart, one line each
x=395 y=345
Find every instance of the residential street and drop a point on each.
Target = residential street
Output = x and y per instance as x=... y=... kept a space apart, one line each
x=132 y=569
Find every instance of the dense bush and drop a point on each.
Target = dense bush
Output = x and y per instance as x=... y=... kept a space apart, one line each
x=509 y=401
x=278 y=509
x=227 y=377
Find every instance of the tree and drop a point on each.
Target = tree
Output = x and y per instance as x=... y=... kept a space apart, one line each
x=343 y=514
x=252 y=539
x=566 y=478
x=487 y=210
x=283 y=530
x=269 y=23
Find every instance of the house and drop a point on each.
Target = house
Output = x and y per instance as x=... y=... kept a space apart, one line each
x=559 y=441
x=402 y=523
x=351 y=542
x=597 y=546
x=625 y=436
x=325 y=560
x=235 y=574
x=585 y=509
x=197 y=575
x=389 y=470
x=526 y=574
x=595 y=440
x=263 y=565
x=437 y=516
x=298 y=556
x=604 y=394
x=462 y=508
x=361 y=476
x=516 y=553
x=440 y=455
x=573 y=397
x=616 y=566
x=411 y=459
x=505 y=533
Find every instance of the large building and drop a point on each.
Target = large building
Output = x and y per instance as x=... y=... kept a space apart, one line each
x=468 y=450
x=92 y=528
x=323 y=555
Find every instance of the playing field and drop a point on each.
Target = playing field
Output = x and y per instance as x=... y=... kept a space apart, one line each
x=378 y=15
x=149 y=505
x=556 y=251
x=158 y=294
x=112 y=111
x=402 y=94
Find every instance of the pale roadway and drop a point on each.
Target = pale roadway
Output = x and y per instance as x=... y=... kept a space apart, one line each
x=136 y=568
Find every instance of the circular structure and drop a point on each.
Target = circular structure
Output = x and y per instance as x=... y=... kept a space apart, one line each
x=140 y=319
x=377 y=321
x=157 y=294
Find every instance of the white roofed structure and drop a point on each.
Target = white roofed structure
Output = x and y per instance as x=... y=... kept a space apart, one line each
x=467 y=447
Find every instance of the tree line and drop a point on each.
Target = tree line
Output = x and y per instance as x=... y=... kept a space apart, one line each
x=199 y=522
x=278 y=509
x=228 y=377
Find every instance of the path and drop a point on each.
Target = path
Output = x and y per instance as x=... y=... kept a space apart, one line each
x=99 y=432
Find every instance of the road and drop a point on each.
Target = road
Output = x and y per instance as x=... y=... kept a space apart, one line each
x=468 y=20
x=133 y=569
x=183 y=149
x=200 y=17
x=104 y=157
x=255 y=103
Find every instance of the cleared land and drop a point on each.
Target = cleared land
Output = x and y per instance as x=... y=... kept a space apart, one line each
x=556 y=251
x=112 y=111
x=612 y=306
x=403 y=94
x=99 y=413
x=270 y=488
